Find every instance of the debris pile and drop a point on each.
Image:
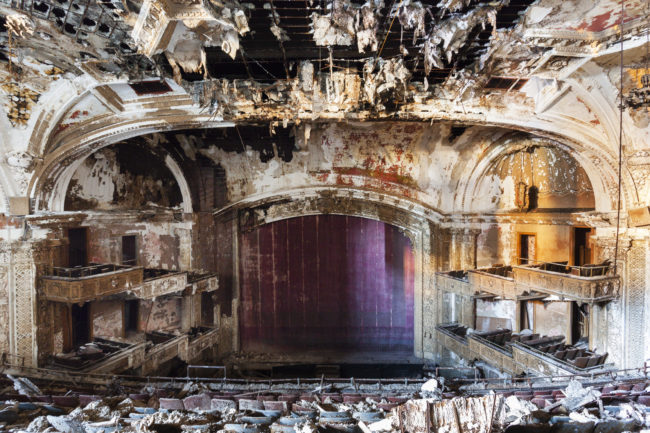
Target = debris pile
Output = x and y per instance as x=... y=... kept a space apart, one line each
x=300 y=409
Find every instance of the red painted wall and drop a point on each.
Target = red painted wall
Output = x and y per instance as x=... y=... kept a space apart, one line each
x=326 y=282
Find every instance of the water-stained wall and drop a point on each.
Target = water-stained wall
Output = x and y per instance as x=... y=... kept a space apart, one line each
x=162 y=314
x=107 y=319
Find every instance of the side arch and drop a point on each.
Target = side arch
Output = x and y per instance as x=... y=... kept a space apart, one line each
x=52 y=176
x=599 y=169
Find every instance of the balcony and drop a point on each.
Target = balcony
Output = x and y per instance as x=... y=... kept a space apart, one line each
x=165 y=348
x=521 y=353
x=589 y=283
x=579 y=283
x=146 y=351
x=454 y=282
x=200 y=339
x=83 y=284
x=198 y=283
x=101 y=355
x=160 y=282
x=497 y=280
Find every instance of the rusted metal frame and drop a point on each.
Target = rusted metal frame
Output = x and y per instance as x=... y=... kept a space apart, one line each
x=243 y=57
x=284 y=54
x=81 y=22
x=65 y=19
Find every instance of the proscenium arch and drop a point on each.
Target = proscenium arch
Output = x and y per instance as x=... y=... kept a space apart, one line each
x=110 y=129
x=49 y=184
x=599 y=176
x=411 y=218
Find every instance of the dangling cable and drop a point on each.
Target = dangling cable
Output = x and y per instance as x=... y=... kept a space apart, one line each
x=620 y=146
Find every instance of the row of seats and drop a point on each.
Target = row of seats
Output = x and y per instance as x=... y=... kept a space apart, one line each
x=551 y=345
x=459 y=330
x=576 y=356
x=610 y=394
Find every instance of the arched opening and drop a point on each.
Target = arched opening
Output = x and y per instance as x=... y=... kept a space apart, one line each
x=331 y=285
x=534 y=177
x=122 y=176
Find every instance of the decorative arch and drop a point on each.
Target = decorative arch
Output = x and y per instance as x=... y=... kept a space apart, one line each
x=415 y=221
x=588 y=147
x=52 y=176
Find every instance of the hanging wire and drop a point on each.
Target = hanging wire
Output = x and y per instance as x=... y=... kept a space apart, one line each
x=620 y=146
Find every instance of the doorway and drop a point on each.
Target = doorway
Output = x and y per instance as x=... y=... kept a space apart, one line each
x=581 y=246
x=207 y=309
x=526 y=248
x=77 y=247
x=80 y=318
x=131 y=310
x=579 y=322
x=129 y=251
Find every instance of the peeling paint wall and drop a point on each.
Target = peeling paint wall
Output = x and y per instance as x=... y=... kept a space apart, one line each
x=163 y=314
x=552 y=318
x=107 y=319
x=161 y=241
x=491 y=315
x=558 y=179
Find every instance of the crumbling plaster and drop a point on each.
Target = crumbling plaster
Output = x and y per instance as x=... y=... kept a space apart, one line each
x=588 y=151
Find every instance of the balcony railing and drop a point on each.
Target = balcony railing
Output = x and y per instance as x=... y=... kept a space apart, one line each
x=157 y=348
x=77 y=285
x=163 y=351
x=455 y=282
x=83 y=284
x=200 y=340
x=518 y=353
x=497 y=280
x=160 y=282
x=198 y=283
x=580 y=283
x=589 y=283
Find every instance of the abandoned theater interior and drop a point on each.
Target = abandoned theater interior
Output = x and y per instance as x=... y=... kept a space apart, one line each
x=324 y=215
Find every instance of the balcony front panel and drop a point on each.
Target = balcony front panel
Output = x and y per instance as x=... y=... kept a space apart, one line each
x=494 y=284
x=121 y=361
x=204 y=284
x=201 y=343
x=493 y=355
x=585 y=289
x=160 y=286
x=453 y=343
x=533 y=362
x=88 y=288
x=163 y=352
x=447 y=283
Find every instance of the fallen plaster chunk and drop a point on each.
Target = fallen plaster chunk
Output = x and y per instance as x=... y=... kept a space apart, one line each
x=577 y=396
x=518 y=410
x=430 y=385
x=385 y=424
x=65 y=424
x=25 y=386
